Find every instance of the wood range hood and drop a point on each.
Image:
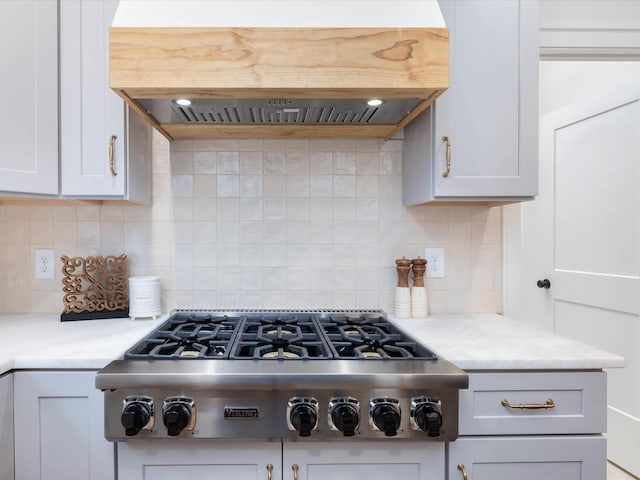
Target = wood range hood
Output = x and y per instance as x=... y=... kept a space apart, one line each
x=274 y=69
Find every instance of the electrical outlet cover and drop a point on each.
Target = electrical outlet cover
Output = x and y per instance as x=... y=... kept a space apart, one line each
x=435 y=262
x=43 y=262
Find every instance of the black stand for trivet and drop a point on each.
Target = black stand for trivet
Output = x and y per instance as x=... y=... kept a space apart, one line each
x=73 y=316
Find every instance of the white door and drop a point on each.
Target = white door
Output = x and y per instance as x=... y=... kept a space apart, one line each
x=6 y=427
x=363 y=460
x=29 y=82
x=92 y=116
x=488 y=113
x=59 y=427
x=199 y=459
x=527 y=458
x=583 y=235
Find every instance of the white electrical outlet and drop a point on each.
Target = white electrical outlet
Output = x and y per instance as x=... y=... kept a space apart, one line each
x=43 y=259
x=435 y=262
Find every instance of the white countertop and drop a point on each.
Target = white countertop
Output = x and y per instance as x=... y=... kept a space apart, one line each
x=494 y=342
x=44 y=342
x=472 y=342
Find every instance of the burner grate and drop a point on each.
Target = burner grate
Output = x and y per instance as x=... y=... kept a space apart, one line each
x=278 y=335
x=281 y=336
x=187 y=336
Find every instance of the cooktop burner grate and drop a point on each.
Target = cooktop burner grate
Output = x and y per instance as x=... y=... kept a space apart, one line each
x=187 y=336
x=278 y=335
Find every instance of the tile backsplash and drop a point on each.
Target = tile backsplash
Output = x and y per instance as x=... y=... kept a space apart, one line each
x=264 y=224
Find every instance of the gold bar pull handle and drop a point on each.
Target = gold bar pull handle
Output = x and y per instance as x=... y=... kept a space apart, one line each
x=445 y=174
x=112 y=141
x=269 y=471
x=463 y=470
x=295 y=469
x=528 y=406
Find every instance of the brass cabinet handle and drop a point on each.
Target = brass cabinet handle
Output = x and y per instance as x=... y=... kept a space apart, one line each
x=112 y=140
x=463 y=470
x=269 y=471
x=295 y=469
x=528 y=406
x=445 y=174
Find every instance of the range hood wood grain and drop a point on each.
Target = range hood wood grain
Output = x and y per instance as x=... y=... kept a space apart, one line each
x=198 y=62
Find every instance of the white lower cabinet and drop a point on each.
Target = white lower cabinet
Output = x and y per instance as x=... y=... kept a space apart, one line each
x=528 y=458
x=530 y=426
x=163 y=460
x=362 y=460
x=204 y=460
x=6 y=427
x=59 y=427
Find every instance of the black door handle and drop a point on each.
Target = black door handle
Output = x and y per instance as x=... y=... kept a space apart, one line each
x=544 y=283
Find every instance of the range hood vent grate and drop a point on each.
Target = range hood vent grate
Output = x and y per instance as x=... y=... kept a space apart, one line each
x=279 y=111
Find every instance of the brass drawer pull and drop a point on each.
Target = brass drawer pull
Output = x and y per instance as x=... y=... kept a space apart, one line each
x=269 y=471
x=295 y=468
x=528 y=406
x=463 y=470
x=445 y=174
x=112 y=141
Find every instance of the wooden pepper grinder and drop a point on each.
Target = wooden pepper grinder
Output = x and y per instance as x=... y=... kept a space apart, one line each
x=418 y=290
x=403 y=293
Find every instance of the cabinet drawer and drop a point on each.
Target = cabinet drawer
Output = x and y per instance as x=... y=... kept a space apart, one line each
x=577 y=457
x=579 y=403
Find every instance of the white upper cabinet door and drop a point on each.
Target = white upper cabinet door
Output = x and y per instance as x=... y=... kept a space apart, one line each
x=91 y=114
x=96 y=142
x=29 y=82
x=479 y=140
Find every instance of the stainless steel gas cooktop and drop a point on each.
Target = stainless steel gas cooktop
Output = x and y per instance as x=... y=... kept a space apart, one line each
x=293 y=375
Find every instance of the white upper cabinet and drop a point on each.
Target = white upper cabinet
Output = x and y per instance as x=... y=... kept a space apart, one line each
x=29 y=82
x=478 y=142
x=105 y=149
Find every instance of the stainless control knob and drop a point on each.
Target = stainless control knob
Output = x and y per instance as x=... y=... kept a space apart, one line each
x=344 y=415
x=302 y=415
x=385 y=415
x=178 y=414
x=426 y=415
x=137 y=414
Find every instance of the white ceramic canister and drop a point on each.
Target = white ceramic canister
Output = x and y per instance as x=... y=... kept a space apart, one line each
x=144 y=297
x=418 y=302
x=402 y=302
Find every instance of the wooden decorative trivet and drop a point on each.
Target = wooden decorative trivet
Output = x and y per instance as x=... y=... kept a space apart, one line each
x=94 y=287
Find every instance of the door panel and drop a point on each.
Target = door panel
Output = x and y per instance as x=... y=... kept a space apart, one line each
x=596 y=194
x=583 y=234
x=201 y=472
x=364 y=460
x=203 y=459
x=59 y=431
x=29 y=126
x=528 y=458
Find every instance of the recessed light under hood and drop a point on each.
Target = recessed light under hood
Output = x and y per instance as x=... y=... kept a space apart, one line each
x=270 y=69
